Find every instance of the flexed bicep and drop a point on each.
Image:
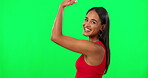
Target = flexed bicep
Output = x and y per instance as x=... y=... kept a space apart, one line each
x=80 y=46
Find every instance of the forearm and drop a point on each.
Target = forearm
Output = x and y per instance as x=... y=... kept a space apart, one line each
x=57 y=28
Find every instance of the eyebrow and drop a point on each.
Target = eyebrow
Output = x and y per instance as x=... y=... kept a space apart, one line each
x=91 y=19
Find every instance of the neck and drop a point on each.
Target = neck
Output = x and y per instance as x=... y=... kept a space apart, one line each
x=94 y=38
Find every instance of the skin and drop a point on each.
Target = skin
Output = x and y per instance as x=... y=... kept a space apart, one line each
x=92 y=21
x=93 y=52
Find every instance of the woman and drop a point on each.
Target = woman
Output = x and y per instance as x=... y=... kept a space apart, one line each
x=95 y=58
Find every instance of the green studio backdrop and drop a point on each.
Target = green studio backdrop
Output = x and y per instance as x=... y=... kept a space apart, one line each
x=26 y=50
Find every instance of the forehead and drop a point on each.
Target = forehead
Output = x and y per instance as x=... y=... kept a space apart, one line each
x=93 y=15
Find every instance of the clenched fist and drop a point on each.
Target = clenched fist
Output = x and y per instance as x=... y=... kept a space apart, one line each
x=67 y=3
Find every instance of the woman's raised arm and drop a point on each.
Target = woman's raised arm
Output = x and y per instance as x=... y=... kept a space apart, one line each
x=81 y=46
x=57 y=29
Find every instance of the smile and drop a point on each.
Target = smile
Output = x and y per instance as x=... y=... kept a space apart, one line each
x=87 y=29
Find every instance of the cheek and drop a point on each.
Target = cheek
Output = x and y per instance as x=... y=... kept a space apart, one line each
x=96 y=29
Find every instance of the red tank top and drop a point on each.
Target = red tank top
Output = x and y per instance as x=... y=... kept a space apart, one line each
x=87 y=71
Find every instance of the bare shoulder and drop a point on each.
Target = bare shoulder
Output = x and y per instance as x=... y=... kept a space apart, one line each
x=97 y=57
x=99 y=49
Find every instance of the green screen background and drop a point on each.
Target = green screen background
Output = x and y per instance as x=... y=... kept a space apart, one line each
x=26 y=50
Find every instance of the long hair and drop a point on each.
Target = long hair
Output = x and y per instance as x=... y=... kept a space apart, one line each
x=104 y=34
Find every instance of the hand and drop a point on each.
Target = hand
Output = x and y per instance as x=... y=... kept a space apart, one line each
x=67 y=3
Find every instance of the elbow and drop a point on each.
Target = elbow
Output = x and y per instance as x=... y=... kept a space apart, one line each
x=54 y=38
x=51 y=38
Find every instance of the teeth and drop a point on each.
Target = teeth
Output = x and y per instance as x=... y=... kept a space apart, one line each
x=87 y=29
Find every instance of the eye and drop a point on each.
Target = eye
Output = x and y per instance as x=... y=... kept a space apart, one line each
x=93 y=22
x=86 y=19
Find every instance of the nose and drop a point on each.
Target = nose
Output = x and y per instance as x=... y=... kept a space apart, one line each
x=86 y=24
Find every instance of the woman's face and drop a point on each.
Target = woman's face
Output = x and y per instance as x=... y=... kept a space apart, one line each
x=92 y=24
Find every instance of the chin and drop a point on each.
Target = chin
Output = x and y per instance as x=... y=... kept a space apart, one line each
x=86 y=35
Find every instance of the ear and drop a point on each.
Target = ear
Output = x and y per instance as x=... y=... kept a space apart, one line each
x=103 y=27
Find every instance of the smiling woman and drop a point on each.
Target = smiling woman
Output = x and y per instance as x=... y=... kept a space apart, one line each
x=92 y=25
x=95 y=51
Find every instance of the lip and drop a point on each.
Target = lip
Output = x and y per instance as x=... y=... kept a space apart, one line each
x=87 y=30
